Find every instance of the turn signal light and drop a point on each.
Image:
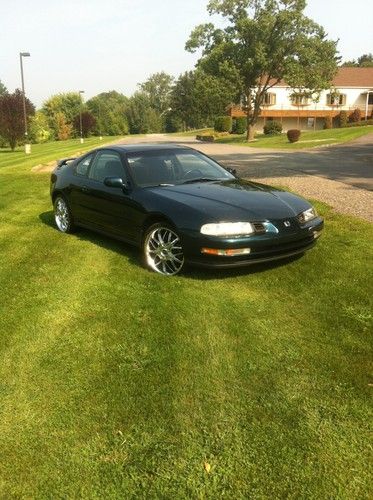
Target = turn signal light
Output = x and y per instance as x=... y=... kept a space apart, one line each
x=229 y=252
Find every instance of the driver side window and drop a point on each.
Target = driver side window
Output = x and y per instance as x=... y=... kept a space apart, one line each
x=107 y=164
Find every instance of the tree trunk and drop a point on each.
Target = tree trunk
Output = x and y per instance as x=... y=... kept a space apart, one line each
x=250 y=132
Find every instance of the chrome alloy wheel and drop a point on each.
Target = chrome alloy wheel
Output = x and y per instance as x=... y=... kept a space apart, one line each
x=62 y=215
x=163 y=251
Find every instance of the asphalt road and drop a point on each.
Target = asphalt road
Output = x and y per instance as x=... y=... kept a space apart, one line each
x=350 y=163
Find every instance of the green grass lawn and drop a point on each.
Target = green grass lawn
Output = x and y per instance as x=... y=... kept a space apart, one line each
x=191 y=133
x=43 y=153
x=119 y=383
x=307 y=139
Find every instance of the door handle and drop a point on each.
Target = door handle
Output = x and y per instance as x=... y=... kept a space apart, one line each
x=85 y=189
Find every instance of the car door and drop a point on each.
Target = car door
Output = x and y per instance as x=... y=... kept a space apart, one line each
x=109 y=209
x=79 y=187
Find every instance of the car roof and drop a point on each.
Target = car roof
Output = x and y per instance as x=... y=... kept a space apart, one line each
x=142 y=147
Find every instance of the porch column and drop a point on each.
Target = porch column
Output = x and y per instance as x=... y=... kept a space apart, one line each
x=366 y=106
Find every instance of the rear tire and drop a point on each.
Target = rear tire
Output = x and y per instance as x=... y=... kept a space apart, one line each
x=62 y=215
x=162 y=250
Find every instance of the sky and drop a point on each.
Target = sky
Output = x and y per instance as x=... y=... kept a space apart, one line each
x=101 y=45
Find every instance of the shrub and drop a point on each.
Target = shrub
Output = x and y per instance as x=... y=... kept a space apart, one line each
x=223 y=124
x=239 y=125
x=342 y=119
x=272 y=128
x=293 y=135
x=205 y=138
x=360 y=124
x=328 y=122
x=355 y=116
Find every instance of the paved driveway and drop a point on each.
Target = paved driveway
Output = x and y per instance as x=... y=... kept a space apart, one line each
x=341 y=176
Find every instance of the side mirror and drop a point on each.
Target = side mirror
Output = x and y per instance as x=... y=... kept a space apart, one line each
x=232 y=171
x=115 y=182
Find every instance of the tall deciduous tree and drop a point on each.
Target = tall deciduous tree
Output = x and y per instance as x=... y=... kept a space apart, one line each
x=3 y=89
x=109 y=109
x=67 y=104
x=12 y=126
x=88 y=122
x=265 y=41
x=158 y=89
x=198 y=97
x=142 y=118
x=364 y=61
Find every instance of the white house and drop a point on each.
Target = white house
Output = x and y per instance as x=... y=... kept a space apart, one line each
x=351 y=88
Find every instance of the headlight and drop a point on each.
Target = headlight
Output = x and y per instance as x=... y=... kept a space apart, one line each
x=228 y=229
x=307 y=215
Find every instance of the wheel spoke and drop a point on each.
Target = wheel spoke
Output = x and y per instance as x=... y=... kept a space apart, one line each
x=163 y=251
x=62 y=216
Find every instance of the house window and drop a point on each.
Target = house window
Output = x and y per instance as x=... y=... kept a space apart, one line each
x=336 y=99
x=269 y=99
x=370 y=98
x=300 y=100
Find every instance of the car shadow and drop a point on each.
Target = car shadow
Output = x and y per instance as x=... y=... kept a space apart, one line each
x=103 y=241
x=133 y=255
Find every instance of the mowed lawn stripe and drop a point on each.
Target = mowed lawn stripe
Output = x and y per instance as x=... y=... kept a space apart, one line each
x=116 y=382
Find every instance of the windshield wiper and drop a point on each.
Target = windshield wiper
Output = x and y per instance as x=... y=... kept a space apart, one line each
x=199 y=179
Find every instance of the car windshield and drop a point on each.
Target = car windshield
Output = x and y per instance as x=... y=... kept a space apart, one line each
x=177 y=166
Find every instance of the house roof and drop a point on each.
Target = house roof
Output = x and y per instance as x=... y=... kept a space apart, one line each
x=348 y=77
x=354 y=77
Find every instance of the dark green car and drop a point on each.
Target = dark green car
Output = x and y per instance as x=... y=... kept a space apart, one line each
x=180 y=206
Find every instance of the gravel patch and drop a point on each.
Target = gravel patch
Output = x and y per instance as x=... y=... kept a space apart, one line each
x=344 y=198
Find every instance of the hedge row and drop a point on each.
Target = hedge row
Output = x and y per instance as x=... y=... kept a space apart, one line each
x=344 y=119
x=360 y=124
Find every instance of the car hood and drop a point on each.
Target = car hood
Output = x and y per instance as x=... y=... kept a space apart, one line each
x=235 y=200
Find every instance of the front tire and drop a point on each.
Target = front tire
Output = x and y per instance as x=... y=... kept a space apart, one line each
x=62 y=215
x=162 y=250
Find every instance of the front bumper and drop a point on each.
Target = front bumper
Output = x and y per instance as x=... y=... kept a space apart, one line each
x=263 y=248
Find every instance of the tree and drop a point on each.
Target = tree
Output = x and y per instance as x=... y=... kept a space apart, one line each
x=68 y=104
x=88 y=123
x=198 y=97
x=364 y=61
x=158 y=89
x=12 y=126
x=142 y=118
x=39 y=128
x=3 y=89
x=62 y=127
x=109 y=109
x=264 y=42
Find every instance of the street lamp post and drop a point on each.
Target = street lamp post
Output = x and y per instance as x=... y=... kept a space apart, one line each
x=80 y=116
x=27 y=145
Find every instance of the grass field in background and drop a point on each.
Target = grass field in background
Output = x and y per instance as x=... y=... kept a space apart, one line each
x=43 y=153
x=119 y=383
x=307 y=139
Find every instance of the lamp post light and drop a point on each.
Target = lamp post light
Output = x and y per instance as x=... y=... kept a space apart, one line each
x=27 y=145
x=80 y=116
